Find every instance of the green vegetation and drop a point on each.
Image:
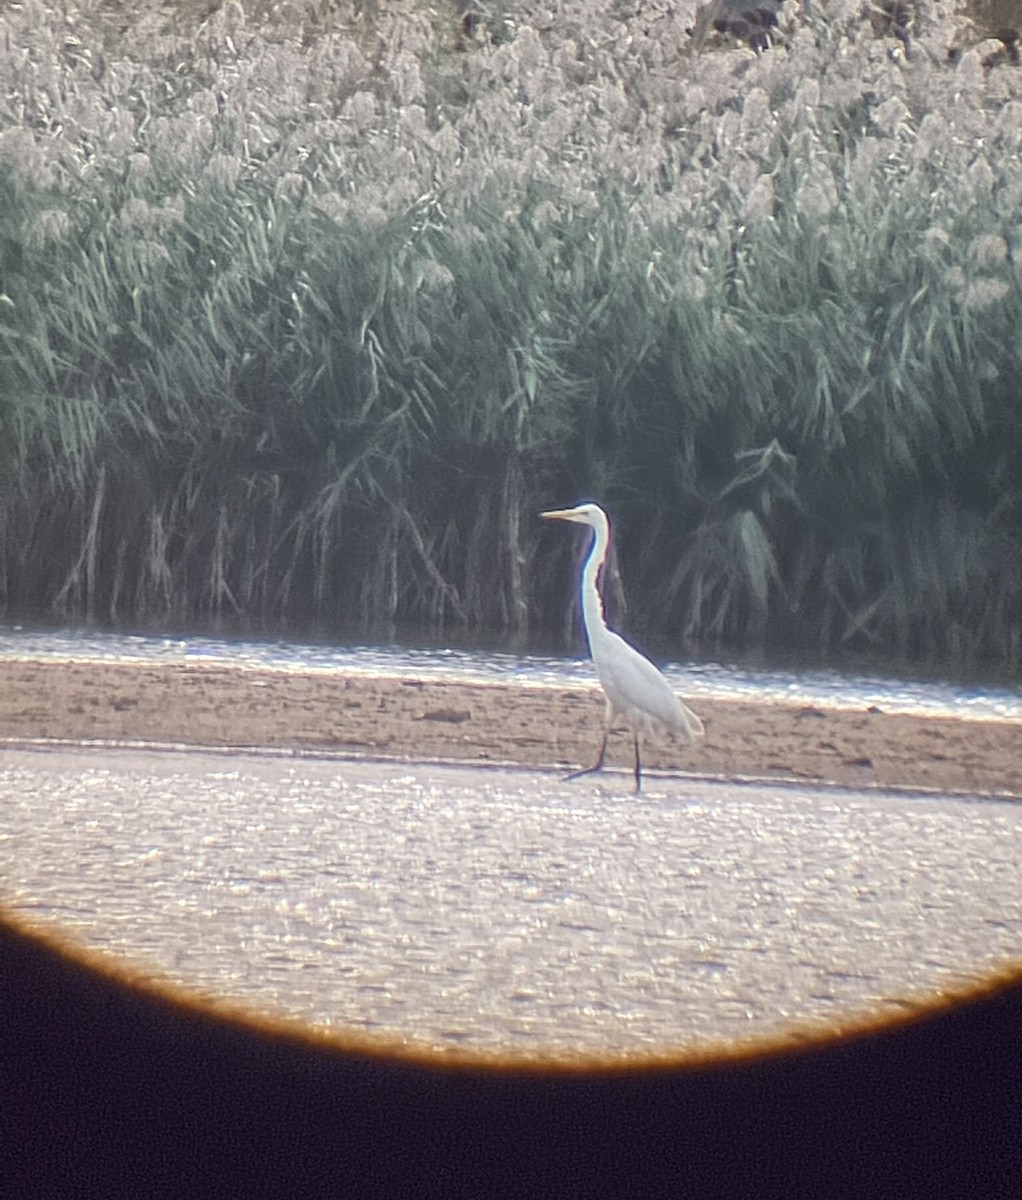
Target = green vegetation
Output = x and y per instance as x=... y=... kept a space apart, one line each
x=303 y=325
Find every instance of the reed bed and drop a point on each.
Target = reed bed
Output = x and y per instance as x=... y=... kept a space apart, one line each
x=305 y=315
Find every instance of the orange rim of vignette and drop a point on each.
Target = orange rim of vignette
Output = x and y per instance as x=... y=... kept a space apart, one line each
x=74 y=958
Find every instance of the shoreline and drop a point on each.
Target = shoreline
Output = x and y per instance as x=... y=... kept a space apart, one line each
x=211 y=706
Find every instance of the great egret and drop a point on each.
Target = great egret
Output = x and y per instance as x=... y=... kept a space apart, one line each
x=634 y=688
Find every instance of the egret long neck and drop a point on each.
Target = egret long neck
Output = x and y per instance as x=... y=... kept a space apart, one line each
x=592 y=601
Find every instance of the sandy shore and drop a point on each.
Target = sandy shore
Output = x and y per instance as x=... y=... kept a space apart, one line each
x=508 y=723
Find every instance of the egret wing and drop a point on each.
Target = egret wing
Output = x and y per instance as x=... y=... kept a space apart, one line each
x=637 y=689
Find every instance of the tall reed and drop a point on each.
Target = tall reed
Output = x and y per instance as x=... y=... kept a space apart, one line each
x=302 y=325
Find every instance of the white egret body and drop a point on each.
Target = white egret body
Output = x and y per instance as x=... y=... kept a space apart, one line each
x=635 y=689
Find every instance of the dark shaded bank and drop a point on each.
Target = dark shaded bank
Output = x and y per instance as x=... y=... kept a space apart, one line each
x=114 y=1092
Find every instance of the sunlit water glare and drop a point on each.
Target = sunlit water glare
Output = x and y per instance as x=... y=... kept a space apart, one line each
x=509 y=911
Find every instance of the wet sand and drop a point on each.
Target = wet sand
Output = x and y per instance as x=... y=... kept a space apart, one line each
x=504 y=723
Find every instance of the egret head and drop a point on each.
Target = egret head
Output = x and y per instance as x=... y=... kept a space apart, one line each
x=585 y=514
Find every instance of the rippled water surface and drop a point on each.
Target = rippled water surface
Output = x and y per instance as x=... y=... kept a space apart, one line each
x=504 y=910
x=509 y=910
x=695 y=679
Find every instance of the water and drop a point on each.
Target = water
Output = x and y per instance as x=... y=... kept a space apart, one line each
x=510 y=911
x=810 y=687
x=507 y=911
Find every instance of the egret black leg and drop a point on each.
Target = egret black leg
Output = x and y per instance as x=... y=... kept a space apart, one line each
x=597 y=766
x=638 y=764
